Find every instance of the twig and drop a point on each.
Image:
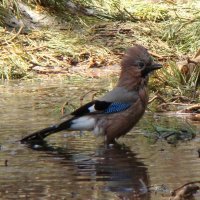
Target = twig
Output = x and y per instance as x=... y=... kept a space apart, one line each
x=157 y=97
x=181 y=98
x=185 y=24
x=190 y=108
x=35 y=48
x=156 y=55
x=134 y=19
x=189 y=183
x=63 y=107
x=186 y=191
x=19 y=31
x=174 y=103
x=82 y=97
x=10 y=40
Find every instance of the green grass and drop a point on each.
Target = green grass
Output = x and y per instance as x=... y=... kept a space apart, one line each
x=178 y=83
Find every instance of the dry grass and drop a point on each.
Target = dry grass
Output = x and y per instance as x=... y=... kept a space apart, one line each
x=170 y=31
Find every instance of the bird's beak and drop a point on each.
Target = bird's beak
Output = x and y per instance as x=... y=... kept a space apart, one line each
x=156 y=66
x=153 y=66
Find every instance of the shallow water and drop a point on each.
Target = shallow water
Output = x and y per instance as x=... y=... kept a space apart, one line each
x=74 y=166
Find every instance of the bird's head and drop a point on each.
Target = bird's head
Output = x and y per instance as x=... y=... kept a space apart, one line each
x=139 y=60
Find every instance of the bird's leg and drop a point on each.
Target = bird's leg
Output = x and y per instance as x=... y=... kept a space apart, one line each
x=107 y=142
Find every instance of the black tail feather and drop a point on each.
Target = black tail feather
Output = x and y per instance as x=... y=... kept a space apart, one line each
x=41 y=134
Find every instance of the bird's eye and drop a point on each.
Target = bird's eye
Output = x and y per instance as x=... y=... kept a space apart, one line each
x=141 y=64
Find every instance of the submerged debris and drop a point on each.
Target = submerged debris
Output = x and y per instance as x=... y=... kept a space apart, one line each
x=171 y=135
x=186 y=191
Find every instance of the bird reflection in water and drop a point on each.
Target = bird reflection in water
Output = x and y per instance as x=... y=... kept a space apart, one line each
x=125 y=173
x=117 y=167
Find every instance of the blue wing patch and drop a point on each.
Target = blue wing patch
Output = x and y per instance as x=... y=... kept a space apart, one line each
x=96 y=107
x=117 y=107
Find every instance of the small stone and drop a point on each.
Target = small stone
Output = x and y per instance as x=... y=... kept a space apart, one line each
x=36 y=146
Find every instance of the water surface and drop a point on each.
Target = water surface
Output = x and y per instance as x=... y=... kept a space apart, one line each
x=74 y=166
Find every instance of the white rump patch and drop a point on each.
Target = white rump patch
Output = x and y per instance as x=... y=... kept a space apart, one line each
x=91 y=109
x=85 y=123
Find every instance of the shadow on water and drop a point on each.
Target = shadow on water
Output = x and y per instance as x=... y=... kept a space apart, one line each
x=116 y=166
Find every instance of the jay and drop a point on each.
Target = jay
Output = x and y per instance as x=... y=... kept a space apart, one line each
x=115 y=113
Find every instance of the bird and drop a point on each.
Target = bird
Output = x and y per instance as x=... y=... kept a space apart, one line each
x=115 y=113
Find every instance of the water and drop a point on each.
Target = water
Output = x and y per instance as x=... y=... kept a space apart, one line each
x=71 y=166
